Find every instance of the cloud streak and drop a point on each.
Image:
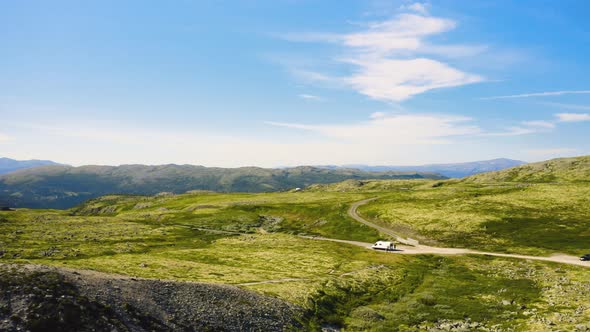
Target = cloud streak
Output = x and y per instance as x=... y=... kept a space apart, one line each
x=417 y=7
x=540 y=124
x=394 y=129
x=573 y=117
x=310 y=97
x=76 y=144
x=539 y=94
x=414 y=129
x=514 y=131
x=568 y=106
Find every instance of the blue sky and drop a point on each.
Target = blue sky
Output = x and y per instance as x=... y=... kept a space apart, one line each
x=277 y=83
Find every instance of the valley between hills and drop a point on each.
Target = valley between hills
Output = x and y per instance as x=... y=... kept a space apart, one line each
x=495 y=251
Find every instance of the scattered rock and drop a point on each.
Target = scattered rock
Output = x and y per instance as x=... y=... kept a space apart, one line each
x=330 y=328
x=37 y=298
x=142 y=205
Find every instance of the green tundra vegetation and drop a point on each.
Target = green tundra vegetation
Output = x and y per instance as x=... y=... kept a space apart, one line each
x=505 y=211
x=261 y=242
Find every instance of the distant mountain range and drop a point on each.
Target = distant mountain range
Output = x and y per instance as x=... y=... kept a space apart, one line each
x=8 y=165
x=455 y=170
x=46 y=184
x=66 y=186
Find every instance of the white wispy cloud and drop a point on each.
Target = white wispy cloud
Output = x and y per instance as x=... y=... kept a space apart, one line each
x=5 y=138
x=310 y=97
x=573 y=117
x=523 y=128
x=396 y=80
x=568 y=106
x=105 y=132
x=539 y=94
x=381 y=138
x=417 y=7
x=392 y=59
x=377 y=115
x=540 y=124
x=512 y=131
x=394 y=129
x=416 y=129
x=405 y=32
x=115 y=144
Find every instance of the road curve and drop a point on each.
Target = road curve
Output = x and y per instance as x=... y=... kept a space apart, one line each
x=352 y=212
x=422 y=249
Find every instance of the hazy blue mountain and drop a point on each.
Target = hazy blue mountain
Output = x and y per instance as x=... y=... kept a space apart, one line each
x=8 y=165
x=66 y=186
x=454 y=170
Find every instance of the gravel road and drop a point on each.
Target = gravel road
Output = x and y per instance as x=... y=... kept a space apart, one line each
x=406 y=249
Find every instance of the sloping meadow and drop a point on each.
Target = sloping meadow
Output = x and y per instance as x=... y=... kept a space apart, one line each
x=252 y=241
x=538 y=219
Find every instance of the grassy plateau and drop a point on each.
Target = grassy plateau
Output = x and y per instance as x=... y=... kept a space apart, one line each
x=254 y=241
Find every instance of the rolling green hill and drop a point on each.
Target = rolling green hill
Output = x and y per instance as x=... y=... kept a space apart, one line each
x=66 y=186
x=575 y=169
x=538 y=208
x=251 y=241
x=268 y=243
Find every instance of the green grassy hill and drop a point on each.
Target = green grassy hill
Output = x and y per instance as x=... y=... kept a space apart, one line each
x=251 y=241
x=502 y=217
x=260 y=242
x=66 y=186
x=541 y=208
x=575 y=169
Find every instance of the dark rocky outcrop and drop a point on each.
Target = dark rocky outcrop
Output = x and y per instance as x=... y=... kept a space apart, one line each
x=37 y=298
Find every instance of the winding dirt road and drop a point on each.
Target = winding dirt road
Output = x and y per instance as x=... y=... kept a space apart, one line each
x=410 y=247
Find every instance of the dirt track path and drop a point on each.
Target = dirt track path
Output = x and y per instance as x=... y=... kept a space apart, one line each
x=352 y=212
x=422 y=249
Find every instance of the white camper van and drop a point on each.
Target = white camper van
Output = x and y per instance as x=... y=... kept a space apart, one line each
x=383 y=245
